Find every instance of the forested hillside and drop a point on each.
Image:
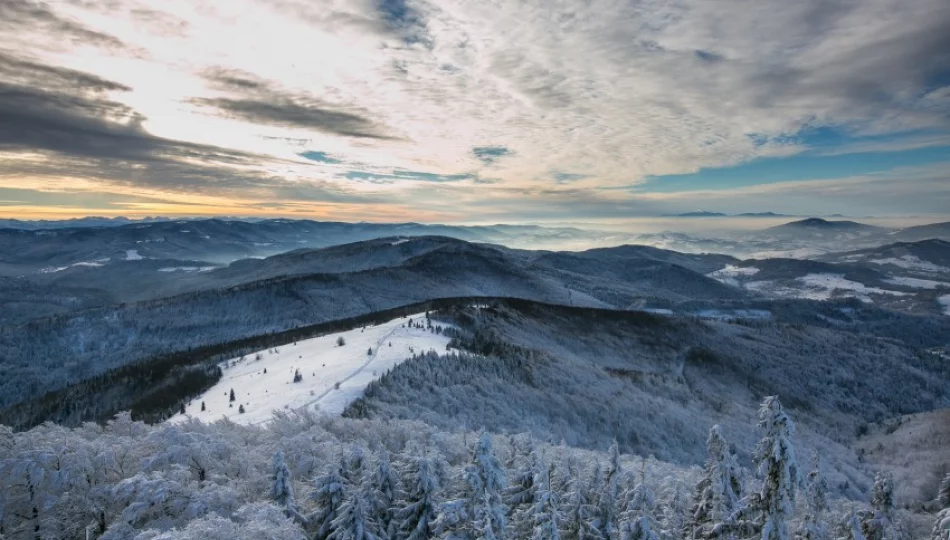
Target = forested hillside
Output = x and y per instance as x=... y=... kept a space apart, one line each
x=306 y=477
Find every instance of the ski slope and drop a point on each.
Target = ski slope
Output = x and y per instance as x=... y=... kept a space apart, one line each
x=366 y=355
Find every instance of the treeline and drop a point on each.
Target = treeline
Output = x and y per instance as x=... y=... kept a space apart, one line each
x=154 y=389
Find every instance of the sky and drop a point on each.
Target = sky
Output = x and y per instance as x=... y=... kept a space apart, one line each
x=468 y=111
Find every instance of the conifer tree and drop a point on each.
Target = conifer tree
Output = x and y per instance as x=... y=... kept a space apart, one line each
x=718 y=493
x=354 y=521
x=232 y=398
x=578 y=505
x=328 y=495
x=850 y=527
x=816 y=498
x=282 y=489
x=606 y=519
x=521 y=496
x=383 y=484
x=546 y=515
x=417 y=515
x=775 y=461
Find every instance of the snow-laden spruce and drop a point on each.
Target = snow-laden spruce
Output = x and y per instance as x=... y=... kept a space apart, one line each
x=362 y=479
x=776 y=465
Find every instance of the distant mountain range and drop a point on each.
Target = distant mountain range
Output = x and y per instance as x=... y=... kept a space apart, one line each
x=704 y=213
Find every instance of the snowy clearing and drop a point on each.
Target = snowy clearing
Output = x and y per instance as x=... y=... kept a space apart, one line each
x=945 y=303
x=911 y=262
x=827 y=284
x=820 y=287
x=918 y=283
x=366 y=355
x=187 y=269
x=734 y=314
x=730 y=274
x=400 y=241
x=53 y=270
x=133 y=255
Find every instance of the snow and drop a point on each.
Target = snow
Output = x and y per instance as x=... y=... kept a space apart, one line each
x=53 y=270
x=825 y=285
x=659 y=311
x=322 y=363
x=133 y=255
x=187 y=269
x=911 y=262
x=400 y=241
x=918 y=283
x=734 y=314
x=945 y=302
x=821 y=287
x=731 y=273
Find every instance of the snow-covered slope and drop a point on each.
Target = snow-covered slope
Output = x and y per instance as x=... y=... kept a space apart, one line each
x=367 y=353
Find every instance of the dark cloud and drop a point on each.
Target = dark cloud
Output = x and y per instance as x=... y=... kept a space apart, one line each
x=260 y=101
x=39 y=18
x=66 y=116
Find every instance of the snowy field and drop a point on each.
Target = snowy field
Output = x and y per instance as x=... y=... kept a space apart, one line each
x=945 y=303
x=918 y=283
x=911 y=262
x=730 y=274
x=367 y=354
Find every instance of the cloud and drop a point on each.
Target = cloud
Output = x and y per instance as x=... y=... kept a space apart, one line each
x=260 y=101
x=232 y=95
x=39 y=18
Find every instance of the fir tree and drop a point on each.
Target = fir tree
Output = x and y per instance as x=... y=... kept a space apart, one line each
x=850 y=527
x=282 y=489
x=718 y=493
x=202 y=406
x=417 y=515
x=383 y=484
x=579 y=509
x=521 y=496
x=232 y=398
x=328 y=495
x=353 y=521
x=606 y=518
x=546 y=515
x=816 y=498
x=775 y=462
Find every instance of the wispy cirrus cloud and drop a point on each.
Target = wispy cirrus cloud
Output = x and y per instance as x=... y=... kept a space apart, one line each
x=338 y=102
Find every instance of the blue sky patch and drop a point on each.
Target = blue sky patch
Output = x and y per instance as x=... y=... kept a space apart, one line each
x=321 y=157
x=490 y=154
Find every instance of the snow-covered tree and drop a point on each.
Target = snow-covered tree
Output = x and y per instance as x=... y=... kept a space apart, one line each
x=328 y=495
x=816 y=499
x=546 y=516
x=419 y=508
x=718 y=493
x=521 y=496
x=282 y=490
x=383 y=484
x=777 y=468
x=481 y=512
x=849 y=528
x=354 y=519
x=579 y=510
x=941 y=529
x=638 y=521
x=606 y=519
x=943 y=492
